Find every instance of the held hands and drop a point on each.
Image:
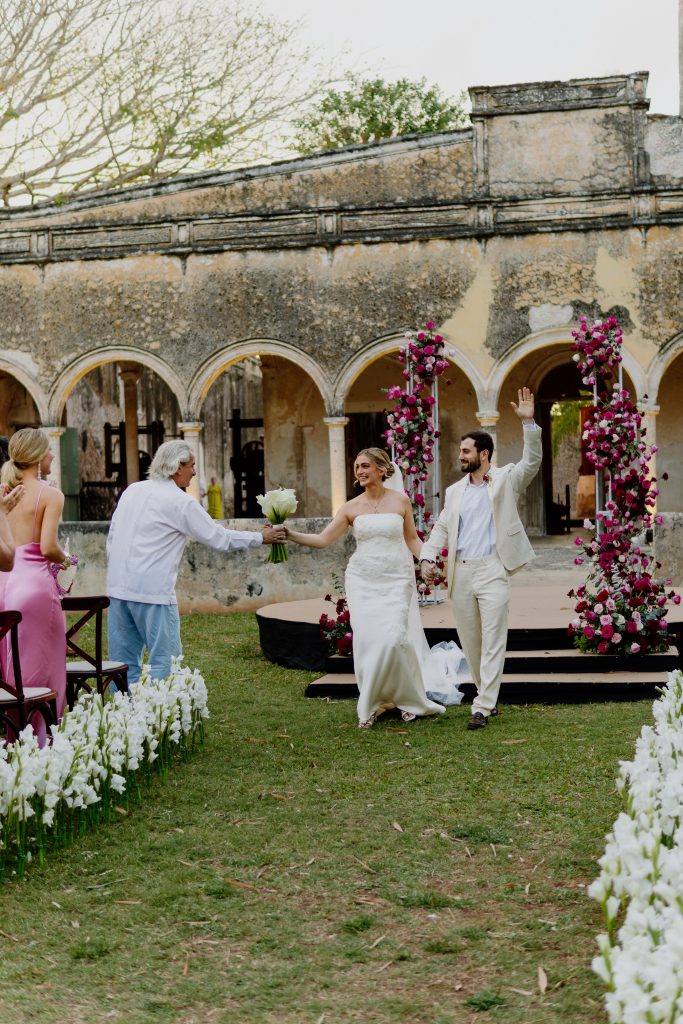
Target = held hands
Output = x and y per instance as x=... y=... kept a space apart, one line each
x=274 y=534
x=525 y=406
x=428 y=571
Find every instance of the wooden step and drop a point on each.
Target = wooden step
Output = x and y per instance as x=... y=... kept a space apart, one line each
x=557 y=660
x=525 y=687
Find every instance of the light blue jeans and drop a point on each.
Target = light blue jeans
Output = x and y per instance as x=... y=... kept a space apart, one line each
x=132 y=626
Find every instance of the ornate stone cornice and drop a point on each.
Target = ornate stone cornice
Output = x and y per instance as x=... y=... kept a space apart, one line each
x=475 y=219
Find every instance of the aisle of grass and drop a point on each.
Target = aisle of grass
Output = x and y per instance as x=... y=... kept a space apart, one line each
x=298 y=870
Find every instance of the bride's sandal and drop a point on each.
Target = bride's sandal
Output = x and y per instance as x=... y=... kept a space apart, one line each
x=368 y=723
x=408 y=716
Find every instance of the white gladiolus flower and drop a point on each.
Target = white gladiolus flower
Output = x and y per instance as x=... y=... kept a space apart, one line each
x=94 y=748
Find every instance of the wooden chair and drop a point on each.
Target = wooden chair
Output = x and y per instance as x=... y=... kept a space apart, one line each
x=90 y=671
x=24 y=701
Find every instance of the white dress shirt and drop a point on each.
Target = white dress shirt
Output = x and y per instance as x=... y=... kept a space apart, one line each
x=148 y=532
x=476 y=529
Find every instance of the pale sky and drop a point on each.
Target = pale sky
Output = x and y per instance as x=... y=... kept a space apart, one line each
x=457 y=44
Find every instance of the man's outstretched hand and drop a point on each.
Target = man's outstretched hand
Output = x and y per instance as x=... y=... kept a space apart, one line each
x=525 y=404
x=274 y=534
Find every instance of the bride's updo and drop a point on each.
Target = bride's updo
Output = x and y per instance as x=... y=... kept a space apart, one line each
x=381 y=460
x=26 y=448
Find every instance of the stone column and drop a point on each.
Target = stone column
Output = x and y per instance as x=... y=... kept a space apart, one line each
x=55 y=435
x=130 y=375
x=488 y=421
x=337 y=445
x=191 y=433
x=650 y=413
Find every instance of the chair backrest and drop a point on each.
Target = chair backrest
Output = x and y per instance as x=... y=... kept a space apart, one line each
x=9 y=621
x=90 y=607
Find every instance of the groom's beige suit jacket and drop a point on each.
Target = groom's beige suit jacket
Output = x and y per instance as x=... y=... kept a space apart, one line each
x=505 y=485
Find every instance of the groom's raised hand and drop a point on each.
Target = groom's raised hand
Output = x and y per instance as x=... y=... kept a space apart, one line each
x=525 y=404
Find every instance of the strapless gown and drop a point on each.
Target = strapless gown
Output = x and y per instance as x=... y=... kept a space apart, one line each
x=393 y=663
x=30 y=589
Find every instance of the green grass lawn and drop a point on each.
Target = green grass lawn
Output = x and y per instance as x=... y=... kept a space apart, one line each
x=300 y=871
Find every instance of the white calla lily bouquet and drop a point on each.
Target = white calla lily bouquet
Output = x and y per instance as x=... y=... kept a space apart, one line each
x=276 y=505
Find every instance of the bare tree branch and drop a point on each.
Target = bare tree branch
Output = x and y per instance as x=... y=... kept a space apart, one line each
x=103 y=93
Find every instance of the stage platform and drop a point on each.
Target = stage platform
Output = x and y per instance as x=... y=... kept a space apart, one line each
x=541 y=662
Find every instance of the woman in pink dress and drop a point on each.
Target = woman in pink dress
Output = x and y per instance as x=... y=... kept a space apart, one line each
x=30 y=587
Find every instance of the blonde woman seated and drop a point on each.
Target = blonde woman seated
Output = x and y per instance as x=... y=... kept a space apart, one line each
x=394 y=666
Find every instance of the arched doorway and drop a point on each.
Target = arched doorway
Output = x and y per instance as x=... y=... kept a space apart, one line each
x=562 y=494
x=114 y=418
x=669 y=425
x=263 y=417
x=366 y=408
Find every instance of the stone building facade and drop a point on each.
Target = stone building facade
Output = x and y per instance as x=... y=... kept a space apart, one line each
x=562 y=198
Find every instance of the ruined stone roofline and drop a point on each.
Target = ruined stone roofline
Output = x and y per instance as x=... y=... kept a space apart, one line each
x=480 y=218
x=575 y=94
x=327 y=159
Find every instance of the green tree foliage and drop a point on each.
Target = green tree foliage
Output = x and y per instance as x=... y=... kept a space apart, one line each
x=370 y=109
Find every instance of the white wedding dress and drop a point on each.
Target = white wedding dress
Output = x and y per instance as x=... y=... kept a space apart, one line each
x=393 y=663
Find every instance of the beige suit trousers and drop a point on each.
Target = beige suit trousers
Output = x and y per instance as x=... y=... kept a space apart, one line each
x=481 y=598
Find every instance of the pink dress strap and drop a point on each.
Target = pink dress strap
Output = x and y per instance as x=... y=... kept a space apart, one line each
x=35 y=515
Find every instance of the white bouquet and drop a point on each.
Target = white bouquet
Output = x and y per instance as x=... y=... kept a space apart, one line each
x=276 y=506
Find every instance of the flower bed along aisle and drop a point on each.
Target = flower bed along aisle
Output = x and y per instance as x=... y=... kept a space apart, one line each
x=50 y=795
x=640 y=885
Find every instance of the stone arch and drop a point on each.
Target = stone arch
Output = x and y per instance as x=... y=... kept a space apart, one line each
x=77 y=369
x=660 y=364
x=33 y=387
x=544 y=339
x=384 y=346
x=212 y=368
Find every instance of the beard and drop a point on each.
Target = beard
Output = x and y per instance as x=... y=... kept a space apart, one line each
x=470 y=465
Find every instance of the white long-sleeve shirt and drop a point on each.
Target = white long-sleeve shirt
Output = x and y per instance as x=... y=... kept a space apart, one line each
x=149 y=529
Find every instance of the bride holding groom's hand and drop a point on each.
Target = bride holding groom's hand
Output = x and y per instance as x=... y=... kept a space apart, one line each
x=389 y=647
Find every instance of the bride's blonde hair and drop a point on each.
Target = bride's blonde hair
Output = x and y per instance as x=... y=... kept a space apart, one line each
x=380 y=458
x=27 y=447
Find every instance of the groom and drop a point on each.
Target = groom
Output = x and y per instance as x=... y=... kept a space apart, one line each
x=486 y=543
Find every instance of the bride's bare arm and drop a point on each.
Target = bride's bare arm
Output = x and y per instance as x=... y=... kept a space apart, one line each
x=410 y=536
x=333 y=531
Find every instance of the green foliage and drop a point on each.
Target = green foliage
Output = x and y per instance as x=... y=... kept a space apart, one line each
x=372 y=109
x=566 y=420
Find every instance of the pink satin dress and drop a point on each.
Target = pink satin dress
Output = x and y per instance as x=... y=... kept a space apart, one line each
x=30 y=589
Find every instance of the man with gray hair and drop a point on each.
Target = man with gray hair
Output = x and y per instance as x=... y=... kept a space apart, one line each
x=149 y=529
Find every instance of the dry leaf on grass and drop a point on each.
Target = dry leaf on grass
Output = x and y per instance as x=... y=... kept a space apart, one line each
x=522 y=992
x=542 y=981
x=377 y=942
x=128 y=903
x=396 y=825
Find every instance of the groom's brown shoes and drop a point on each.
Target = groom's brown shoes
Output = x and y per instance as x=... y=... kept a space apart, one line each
x=477 y=721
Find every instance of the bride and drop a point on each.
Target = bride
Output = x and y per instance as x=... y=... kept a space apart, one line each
x=393 y=663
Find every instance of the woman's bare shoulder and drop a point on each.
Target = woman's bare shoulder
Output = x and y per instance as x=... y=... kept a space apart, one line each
x=53 y=497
